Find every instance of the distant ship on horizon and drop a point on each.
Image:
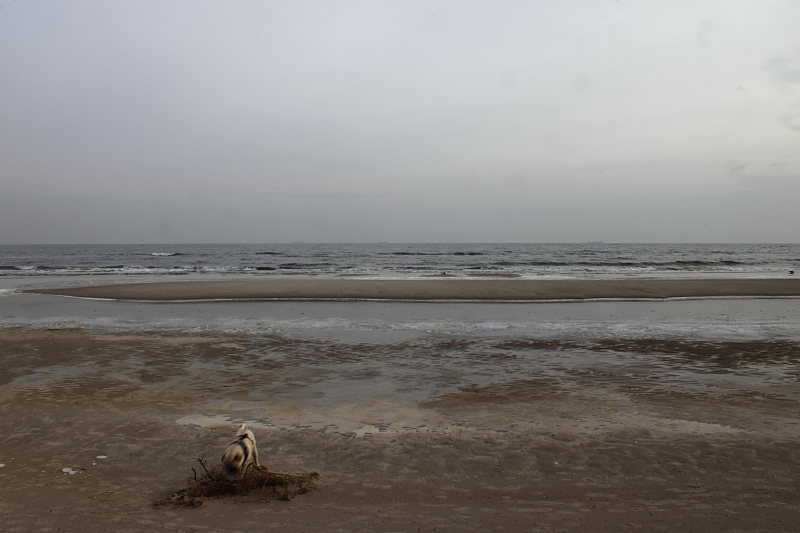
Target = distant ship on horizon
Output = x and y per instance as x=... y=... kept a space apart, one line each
x=595 y=242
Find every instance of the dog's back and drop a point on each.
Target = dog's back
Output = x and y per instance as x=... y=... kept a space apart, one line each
x=241 y=452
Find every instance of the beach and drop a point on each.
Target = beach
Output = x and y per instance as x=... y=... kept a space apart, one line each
x=457 y=267
x=572 y=406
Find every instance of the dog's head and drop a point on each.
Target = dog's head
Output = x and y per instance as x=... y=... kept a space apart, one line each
x=244 y=432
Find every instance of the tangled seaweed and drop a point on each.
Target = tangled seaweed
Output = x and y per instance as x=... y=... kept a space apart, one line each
x=212 y=481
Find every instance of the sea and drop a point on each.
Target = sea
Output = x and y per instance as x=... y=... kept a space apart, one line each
x=402 y=260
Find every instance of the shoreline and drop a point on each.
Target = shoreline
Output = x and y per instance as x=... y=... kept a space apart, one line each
x=433 y=290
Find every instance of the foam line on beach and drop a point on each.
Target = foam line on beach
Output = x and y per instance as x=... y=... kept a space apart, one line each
x=452 y=301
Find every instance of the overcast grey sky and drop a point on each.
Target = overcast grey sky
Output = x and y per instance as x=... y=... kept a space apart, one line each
x=540 y=121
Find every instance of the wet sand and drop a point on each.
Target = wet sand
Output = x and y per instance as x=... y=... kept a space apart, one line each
x=593 y=434
x=450 y=289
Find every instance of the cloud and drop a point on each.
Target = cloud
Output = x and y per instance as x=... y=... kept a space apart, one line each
x=785 y=69
x=735 y=168
x=704 y=33
x=785 y=73
x=791 y=121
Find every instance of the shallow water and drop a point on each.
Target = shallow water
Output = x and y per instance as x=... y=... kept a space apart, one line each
x=720 y=318
x=404 y=352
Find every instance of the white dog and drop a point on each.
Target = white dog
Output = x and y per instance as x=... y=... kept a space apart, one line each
x=241 y=452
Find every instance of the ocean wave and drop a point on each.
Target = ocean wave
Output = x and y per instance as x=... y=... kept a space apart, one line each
x=721 y=262
x=408 y=260
x=414 y=253
x=305 y=265
x=404 y=270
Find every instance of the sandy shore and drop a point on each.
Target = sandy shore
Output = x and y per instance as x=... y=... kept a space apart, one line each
x=602 y=416
x=320 y=289
x=602 y=435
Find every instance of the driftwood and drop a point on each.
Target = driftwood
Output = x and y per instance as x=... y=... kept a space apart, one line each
x=213 y=482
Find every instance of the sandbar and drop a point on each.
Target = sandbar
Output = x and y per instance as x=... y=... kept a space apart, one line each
x=450 y=289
